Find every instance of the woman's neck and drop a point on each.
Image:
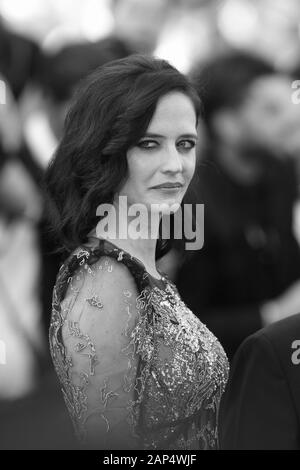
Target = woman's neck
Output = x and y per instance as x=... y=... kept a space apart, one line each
x=144 y=250
x=137 y=239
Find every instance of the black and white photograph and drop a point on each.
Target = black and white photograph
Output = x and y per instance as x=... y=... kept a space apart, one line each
x=149 y=228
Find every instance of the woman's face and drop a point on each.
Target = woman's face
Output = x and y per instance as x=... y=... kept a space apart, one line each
x=162 y=164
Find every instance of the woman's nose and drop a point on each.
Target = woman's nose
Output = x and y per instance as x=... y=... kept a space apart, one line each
x=172 y=160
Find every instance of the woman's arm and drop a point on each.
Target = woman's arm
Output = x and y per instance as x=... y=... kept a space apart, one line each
x=100 y=354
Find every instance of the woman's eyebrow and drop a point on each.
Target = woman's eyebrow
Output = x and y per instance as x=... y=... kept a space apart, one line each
x=160 y=136
x=189 y=136
x=154 y=136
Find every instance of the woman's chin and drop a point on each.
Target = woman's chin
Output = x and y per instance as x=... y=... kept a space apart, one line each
x=166 y=206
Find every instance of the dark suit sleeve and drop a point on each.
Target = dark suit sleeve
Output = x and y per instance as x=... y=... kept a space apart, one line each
x=257 y=410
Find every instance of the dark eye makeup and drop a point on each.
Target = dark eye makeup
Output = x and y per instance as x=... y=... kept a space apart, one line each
x=147 y=143
x=184 y=144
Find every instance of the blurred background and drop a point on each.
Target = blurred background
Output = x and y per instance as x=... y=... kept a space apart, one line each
x=243 y=56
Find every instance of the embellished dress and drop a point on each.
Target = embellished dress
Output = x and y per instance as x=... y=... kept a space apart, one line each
x=138 y=369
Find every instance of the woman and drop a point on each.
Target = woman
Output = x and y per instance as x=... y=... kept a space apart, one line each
x=138 y=369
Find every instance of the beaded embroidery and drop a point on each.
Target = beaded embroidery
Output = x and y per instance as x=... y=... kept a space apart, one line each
x=177 y=369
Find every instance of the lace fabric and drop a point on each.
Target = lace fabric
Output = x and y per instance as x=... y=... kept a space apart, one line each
x=138 y=370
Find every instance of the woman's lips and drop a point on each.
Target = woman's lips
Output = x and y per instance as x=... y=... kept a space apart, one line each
x=169 y=186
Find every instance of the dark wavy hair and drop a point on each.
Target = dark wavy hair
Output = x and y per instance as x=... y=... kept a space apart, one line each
x=111 y=112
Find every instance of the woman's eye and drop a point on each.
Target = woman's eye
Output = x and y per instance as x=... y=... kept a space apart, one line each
x=147 y=144
x=186 y=144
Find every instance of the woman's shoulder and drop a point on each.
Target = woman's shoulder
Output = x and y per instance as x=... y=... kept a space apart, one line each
x=86 y=267
x=101 y=270
x=96 y=294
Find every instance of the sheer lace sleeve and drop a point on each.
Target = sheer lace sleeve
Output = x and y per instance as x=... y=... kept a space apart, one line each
x=100 y=359
x=138 y=370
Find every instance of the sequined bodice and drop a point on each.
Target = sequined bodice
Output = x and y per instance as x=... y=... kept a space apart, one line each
x=138 y=370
